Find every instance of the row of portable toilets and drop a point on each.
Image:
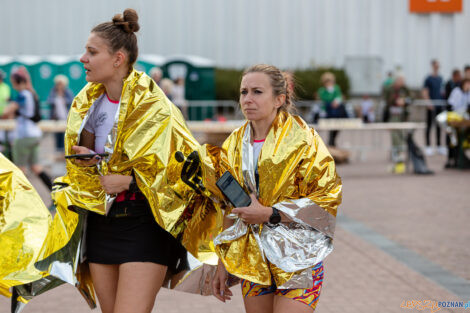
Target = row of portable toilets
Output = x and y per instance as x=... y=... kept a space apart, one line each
x=198 y=72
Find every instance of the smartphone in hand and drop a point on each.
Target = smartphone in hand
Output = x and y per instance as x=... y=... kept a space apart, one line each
x=233 y=191
x=86 y=156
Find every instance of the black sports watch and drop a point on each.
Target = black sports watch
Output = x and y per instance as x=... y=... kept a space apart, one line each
x=275 y=218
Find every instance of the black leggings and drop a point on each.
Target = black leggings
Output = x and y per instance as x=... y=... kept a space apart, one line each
x=430 y=120
x=332 y=138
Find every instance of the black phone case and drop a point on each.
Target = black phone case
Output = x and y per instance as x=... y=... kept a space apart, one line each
x=233 y=191
x=85 y=156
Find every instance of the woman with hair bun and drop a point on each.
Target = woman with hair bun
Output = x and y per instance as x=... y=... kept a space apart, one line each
x=277 y=244
x=126 y=270
x=129 y=201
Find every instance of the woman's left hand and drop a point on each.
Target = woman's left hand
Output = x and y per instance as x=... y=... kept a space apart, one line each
x=256 y=213
x=114 y=184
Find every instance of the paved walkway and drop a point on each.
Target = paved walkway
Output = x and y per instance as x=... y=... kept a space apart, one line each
x=399 y=238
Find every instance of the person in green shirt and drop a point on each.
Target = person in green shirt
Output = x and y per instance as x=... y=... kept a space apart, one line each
x=331 y=96
x=4 y=92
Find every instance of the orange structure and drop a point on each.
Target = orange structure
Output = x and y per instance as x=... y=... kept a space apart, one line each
x=438 y=6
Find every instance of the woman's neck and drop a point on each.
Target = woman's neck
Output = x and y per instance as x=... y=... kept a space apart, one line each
x=114 y=87
x=261 y=128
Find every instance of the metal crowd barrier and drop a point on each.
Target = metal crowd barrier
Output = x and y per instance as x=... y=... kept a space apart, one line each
x=358 y=137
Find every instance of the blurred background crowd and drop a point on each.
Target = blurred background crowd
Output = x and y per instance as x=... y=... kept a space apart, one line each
x=323 y=98
x=358 y=62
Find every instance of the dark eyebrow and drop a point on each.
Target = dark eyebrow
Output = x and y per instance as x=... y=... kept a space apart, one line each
x=255 y=87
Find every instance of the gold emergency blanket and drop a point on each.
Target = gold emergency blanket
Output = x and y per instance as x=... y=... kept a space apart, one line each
x=151 y=140
x=148 y=132
x=297 y=176
x=24 y=223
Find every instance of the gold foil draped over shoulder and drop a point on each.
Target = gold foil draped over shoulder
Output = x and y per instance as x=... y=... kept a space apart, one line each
x=150 y=140
x=297 y=175
x=148 y=133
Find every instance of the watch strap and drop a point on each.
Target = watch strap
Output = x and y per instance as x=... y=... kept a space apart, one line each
x=275 y=218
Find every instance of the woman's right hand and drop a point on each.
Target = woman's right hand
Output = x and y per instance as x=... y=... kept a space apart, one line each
x=85 y=150
x=219 y=286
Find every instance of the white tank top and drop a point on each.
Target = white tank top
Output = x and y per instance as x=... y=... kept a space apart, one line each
x=257 y=145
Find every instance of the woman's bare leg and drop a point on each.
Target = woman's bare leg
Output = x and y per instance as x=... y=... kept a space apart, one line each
x=287 y=305
x=259 y=304
x=139 y=283
x=105 y=281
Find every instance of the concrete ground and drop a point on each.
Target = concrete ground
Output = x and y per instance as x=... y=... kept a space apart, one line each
x=398 y=238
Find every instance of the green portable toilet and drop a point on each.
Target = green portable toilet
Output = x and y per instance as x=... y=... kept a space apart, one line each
x=141 y=66
x=7 y=64
x=42 y=73
x=148 y=61
x=75 y=72
x=199 y=76
x=42 y=76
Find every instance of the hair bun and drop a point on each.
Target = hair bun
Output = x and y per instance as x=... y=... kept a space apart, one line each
x=128 y=21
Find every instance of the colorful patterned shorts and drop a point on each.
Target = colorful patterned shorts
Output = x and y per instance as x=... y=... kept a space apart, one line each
x=308 y=296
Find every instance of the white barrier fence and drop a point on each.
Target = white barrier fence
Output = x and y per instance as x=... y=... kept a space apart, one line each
x=230 y=109
x=359 y=138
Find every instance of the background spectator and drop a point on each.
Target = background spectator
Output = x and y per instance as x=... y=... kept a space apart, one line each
x=27 y=134
x=5 y=94
x=156 y=74
x=433 y=91
x=367 y=110
x=388 y=81
x=453 y=82
x=459 y=101
x=397 y=102
x=167 y=85
x=386 y=86
x=178 y=95
x=60 y=98
x=331 y=97
x=466 y=72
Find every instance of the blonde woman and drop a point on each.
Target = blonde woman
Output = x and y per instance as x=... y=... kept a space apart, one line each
x=277 y=244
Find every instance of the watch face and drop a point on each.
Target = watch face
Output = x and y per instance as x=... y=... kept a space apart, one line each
x=275 y=218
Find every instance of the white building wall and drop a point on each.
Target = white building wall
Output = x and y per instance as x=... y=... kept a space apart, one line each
x=237 y=33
